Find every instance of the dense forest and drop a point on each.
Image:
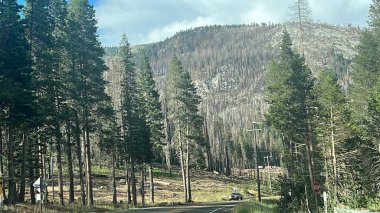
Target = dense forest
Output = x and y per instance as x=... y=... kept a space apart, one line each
x=302 y=96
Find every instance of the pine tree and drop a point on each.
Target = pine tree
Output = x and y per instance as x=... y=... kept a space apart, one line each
x=85 y=81
x=364 y=105
x=333 y=128
x=183 y=101
x=151 y=108
x=45 y=52
x=132 y=119
x=16 y=104
x=151 y=103
x=290 y=94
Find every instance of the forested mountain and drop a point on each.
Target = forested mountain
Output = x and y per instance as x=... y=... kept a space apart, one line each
x=228 y=66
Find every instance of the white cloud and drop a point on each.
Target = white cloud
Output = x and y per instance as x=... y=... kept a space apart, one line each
x=160 y=33
x=154 y=20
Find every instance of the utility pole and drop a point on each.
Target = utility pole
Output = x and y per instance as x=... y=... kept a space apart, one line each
x=255 y=125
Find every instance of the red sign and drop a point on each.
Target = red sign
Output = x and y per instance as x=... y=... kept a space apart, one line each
x=316 y=187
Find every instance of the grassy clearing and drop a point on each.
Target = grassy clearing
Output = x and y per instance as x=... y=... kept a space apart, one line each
x=266 y=206
x=206 y=187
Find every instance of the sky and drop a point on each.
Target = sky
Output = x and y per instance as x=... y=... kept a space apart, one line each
x=147 y=21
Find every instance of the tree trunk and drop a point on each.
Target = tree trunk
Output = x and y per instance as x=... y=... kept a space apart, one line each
x=70 y=163
x=31 y=190
x=208 y=149
x=21 y=197
x=12 y=195
x=189 y=199
x=167 y=136
x=32 y=177
x=142 y=189
x=42 y=188
x=182 y=167
x=80 y=162
x=309 y=150
x=151 y=184
x=334 y=157
x=1 y=152
x=128 y=181
x=114 y=192
x=32 y=167
x=133 y=182
x=88 y=169
x=58 y=137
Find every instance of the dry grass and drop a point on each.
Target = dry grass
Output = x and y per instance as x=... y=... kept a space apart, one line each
x=206 y=187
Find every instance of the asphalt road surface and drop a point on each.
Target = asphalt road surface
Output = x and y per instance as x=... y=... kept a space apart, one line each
x=194 y=208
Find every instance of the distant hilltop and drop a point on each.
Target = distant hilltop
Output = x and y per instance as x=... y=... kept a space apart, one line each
x=228 y=63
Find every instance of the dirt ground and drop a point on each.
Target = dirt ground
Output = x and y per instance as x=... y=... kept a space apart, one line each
x=168 y=190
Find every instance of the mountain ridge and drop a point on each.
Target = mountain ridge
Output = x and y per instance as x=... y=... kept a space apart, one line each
x=228 y=65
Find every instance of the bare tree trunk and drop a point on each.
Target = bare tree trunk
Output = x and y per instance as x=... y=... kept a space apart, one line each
x=32 y=176
x=80 y=162
x=12 y=195
x=151 y=184
x=208 y=149
x=31 y=190
x=133 y=182
x=128 y=180
x=189 y=199
x=1 y=152
x=70 y=163
x=142 y=189
x=58 y=137
x=114 y=192
x=182 y=167
x=88 y=169
x=42 y=188
x=334 y=157
x=309 y=148
x=21 y=197
x=167 y=136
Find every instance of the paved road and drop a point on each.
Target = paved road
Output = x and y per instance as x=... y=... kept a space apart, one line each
x=194 y=208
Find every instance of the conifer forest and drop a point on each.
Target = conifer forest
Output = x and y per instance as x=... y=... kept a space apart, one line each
x=301 y=98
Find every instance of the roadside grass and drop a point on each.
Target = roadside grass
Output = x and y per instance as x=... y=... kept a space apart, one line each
x=266 y=206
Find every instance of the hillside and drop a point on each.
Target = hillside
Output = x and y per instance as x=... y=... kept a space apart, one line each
x=228 y=65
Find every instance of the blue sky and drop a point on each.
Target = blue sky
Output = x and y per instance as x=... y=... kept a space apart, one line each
x=146 y=21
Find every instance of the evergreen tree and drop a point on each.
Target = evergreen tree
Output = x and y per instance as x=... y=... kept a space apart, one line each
x=182 y=104
x=86 y=86
x=45 y=52
x=151 y=108
x=290 y=94
x=364 y=105
x=135 y=130
x=333 y=129
x=16 y=100
x=149 y=97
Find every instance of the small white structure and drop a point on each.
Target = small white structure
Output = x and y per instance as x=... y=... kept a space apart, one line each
x=40 y=190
